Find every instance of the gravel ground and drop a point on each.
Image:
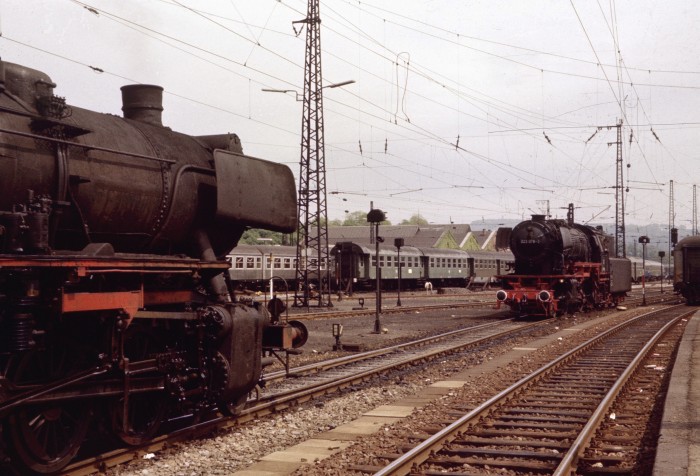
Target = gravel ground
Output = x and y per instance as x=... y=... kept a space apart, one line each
x=469 y=396
x=235 y=449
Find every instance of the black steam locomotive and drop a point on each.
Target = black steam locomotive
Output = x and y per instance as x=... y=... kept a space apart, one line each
x=561 y=266
x=114 y=292
x=686 y=274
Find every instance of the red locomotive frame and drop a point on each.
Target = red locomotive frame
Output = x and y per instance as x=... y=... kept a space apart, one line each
x=542 y=295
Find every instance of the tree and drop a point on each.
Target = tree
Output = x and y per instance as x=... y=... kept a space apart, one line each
x=416 y=219
x=257 y=236
x=359 y=218
x=355 y=218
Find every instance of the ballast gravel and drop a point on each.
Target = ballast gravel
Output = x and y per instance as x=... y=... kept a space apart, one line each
x=237 y=448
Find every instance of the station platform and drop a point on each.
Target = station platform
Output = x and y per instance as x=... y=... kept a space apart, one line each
x=678 y=451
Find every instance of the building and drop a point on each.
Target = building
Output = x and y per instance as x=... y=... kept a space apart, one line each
x=450 y=236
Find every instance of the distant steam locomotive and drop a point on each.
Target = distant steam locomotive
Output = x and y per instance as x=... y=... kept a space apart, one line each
x=561 y=266
x=114 y=291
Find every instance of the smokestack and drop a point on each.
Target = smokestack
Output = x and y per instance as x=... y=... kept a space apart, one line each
x=143 y=102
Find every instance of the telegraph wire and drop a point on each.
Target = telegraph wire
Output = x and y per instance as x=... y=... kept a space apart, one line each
x=446 y=142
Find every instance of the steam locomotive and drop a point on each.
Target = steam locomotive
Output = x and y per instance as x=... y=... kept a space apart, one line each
x=114 y=292
x=561 y=266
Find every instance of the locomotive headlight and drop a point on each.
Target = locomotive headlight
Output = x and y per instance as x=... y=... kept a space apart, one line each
x=544 y=296
x=501 y=295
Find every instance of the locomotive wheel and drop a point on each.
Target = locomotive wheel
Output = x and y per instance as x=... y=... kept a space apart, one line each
x=219 y=377
x=147 y=410
x=233 y=408
x=44 y=438
x=145 y=413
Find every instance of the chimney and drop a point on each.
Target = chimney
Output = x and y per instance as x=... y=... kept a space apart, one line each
x=143 y=103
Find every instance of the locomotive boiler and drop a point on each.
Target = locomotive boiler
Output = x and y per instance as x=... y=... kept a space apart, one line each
x=561 y=266
x=114 y=292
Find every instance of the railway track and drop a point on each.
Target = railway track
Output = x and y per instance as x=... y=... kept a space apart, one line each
x=331 y=375
x=315 y=380
x=471 y=333
x=369 y=310
x=455 y=301
x=544 y=423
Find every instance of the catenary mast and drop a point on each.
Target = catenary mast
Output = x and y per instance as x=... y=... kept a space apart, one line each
x=312 y=235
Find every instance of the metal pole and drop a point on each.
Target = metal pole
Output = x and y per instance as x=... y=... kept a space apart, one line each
x=398 y=296
x=377 y=323
x=644 y=254
x=662 y=274
x=272 y=288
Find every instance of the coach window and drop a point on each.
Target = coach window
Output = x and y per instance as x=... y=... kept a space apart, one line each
x=374 y=261
x=278 y=263
x=287 y=263
x=239 y=262
x=250 y=262
x=381 y=261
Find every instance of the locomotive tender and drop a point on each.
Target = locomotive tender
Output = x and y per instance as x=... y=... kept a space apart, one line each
x=114 y=293
x=561 y=266
x=686 y=273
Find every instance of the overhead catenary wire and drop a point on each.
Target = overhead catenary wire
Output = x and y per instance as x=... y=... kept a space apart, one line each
x=432 y=135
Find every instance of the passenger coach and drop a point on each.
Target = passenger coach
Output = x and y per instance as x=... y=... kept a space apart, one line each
x=441 y=267
x=686 y=273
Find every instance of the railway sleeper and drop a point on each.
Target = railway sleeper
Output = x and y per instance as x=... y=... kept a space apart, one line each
x=542 y=425
x=557 y=418
x=546 y=455
x=561 y=406
x=472 y=440
x=494 y=463
x=544 y=411
x=561 y=435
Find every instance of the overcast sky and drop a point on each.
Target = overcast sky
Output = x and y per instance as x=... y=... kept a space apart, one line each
x=461 y=110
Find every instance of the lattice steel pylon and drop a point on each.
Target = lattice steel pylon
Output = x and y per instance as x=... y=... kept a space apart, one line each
x=312 y=235
x=695 y=210
x=671 y=219
x=620 y=251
